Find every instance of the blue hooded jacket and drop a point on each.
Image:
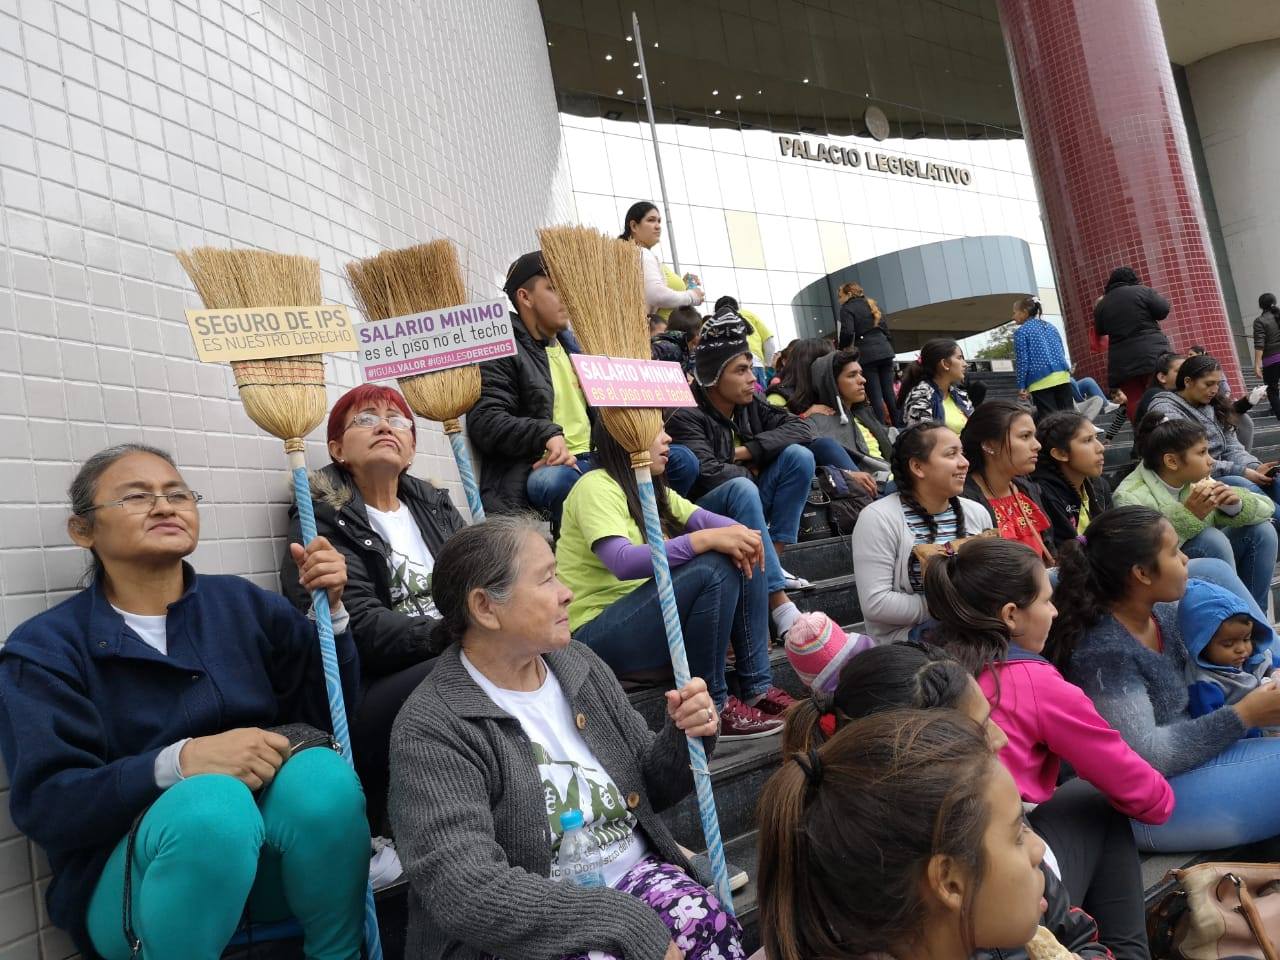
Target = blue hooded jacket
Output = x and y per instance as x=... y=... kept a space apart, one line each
x=1209 y=687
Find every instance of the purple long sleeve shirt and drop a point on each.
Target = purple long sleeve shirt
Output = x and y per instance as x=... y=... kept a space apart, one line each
x=630 y=561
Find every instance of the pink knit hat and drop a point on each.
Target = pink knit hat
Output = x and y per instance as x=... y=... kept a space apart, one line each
x=818 y=648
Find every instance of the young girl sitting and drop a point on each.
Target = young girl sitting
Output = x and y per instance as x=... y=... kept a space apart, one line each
x=901 y=837
x=1069 y=473
x=992 y=600
x=717 y=571
x=1210 y=518
x=897 y=535
x=1001 y=446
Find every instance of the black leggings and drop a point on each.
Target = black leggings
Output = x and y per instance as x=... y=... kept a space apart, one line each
x=1052 y=399
x=1271 y=377
x=879 y=374
x=1094 y=846
x=371 y=735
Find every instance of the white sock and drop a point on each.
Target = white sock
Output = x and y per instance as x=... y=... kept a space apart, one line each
x=784 y=616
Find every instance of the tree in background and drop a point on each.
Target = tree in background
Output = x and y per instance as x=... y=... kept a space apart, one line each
x=1001 y=345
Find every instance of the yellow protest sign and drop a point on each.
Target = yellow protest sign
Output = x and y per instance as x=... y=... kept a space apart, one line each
x=260 y=333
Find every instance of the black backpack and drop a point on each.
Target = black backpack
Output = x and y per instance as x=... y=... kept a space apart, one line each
x=833 y=506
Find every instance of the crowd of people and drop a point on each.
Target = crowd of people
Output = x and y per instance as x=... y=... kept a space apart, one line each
x=1052 y=675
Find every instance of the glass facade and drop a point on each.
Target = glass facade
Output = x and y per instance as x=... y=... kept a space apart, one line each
x=760 y=225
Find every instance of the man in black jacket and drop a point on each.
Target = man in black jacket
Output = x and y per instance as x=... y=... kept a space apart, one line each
x=532 y=425
x=733 y=434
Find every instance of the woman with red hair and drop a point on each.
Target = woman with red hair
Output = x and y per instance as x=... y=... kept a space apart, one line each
x=389 y=525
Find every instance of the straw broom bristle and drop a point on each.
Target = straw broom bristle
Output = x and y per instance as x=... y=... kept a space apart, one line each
x=284 y=396
x=424 y=277
x=599 y=280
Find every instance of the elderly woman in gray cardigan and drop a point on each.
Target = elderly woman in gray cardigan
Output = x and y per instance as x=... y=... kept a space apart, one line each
x=516 y=725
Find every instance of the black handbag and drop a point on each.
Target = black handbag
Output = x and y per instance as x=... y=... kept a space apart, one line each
x=301 y=736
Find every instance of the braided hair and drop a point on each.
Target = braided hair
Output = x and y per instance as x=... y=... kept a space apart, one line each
x=916 y=442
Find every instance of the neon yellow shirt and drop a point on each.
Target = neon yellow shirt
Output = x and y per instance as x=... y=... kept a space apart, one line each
x=869 y=438
x=569 y=406
x=775 y=400
x=675 y=282
x=596 y=509
x=1056 y=379
x=952 y=415
x=760 y=332
x=1083 y=522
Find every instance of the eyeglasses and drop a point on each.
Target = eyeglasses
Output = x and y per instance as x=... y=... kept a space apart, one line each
x=367 y=421
x=143 y=503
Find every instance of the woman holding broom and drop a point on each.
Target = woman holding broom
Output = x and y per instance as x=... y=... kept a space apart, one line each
x=389 y=526
x=134 y=723
x=717 y=567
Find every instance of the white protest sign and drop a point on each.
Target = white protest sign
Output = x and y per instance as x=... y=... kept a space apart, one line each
x=434 y=340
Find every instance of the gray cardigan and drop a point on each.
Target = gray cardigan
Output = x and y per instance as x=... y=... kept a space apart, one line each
x=882 y=545
x=471 y=828
x=1143 y=694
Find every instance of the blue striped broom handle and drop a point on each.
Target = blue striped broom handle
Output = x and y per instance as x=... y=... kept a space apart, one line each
x=462 y=457
x=680 y=666
x=332 y=678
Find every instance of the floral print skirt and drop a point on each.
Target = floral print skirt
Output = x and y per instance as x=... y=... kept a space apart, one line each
x=699 y=926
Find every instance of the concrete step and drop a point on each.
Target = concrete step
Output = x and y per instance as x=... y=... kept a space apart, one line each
x=837 y=597
x=739 y=770
x=819 y=559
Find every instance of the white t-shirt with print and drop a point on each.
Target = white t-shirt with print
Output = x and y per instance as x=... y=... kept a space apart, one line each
x=410 y=562
x=572 y=778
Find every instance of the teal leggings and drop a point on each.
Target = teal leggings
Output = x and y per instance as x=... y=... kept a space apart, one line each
x=207 y=846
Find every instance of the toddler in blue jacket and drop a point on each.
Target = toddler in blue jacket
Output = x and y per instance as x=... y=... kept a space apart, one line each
x=1229 y=649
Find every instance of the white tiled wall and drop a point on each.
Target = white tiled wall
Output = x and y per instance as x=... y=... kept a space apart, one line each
x=334 y=128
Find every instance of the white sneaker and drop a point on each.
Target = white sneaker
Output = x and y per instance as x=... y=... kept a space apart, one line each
x=1090 y=408
x=792 y=582
x=1110 y=407
x=384 y=863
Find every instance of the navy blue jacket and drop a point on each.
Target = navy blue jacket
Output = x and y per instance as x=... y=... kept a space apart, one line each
x=85 y=706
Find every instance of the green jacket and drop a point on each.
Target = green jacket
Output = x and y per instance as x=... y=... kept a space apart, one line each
x=1144 y=487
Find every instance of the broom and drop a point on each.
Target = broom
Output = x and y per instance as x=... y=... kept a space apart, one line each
x=286 y=398
x=414 y=280
x=599 y=281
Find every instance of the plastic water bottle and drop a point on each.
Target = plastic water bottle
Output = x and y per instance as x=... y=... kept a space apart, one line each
x=579 y=859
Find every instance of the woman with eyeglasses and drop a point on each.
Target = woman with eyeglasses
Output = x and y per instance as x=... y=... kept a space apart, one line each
x=135 y=724
x=389 y=526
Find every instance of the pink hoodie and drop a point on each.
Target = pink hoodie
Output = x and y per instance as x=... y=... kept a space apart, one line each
x=1047 y=720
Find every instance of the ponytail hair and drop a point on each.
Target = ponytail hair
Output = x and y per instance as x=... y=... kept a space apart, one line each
x=1093 y=575
x=1031 y=306
x=925 y=366
x=635 y=213
x=1158 y=435
x=910 y=675
x=916 y=442
x=966 y=591
x=847 y=832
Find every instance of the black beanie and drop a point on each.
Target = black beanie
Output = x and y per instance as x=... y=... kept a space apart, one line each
x=723 y=338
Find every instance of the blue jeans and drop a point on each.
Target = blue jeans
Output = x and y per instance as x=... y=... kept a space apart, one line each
x=784 y=488
x=547 y=487
x=682 y=469
x=829 y=452
x=1225 y=801
x=1086 y=387
x=739 y=499
x=1251 y=550
x=718 y=606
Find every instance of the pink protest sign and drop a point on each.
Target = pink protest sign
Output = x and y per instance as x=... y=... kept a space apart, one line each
x=434 y=340
x=622 y=382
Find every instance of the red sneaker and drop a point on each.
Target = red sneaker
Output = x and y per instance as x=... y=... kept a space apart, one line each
x=775 y=702
x=741 y=722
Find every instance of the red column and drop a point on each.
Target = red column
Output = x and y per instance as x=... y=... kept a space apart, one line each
x=1104 y=128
